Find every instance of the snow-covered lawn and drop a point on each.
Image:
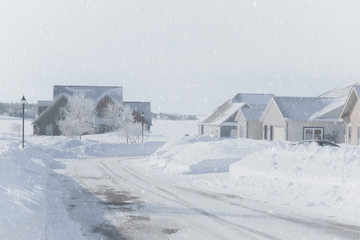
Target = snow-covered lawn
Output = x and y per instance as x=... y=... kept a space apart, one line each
x=306 y=181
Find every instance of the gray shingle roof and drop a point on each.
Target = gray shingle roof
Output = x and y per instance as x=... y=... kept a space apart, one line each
x=309 y=108
x=95 y=93
x=252 y=114
x=228 y=110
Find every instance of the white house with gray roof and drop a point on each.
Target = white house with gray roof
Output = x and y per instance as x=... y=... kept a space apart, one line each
x=303 y=118
x=222 y=121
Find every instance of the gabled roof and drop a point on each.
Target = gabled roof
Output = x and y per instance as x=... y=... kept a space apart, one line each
x=250 y=114
x=224 y=113
x=309 y=108
x=357 y=90
x=340 y=92
x=350 y=101
x=96 y=93
x=141 y=107
x=49 y=108
x=227 y=112
x=44 y=103
x=254 y=100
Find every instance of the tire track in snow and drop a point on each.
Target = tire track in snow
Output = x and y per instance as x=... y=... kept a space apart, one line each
x=327 y=226
x=339 y=229
x=239 y=229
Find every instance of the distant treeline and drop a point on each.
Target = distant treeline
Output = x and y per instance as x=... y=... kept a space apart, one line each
x=167 y=116
x=15 y=110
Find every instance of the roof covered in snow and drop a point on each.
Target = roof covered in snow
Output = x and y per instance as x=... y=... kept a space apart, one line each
x=340 y=92
x=350 y=102
x=227 y=112
x=95 y=93
x=254 y=100
x=309 y=108
x=224 y=113
x=357 y=90
x=251 y=114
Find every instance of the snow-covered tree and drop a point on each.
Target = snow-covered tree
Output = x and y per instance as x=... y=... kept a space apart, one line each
x=113 y=115
x=80 y=117
x=132 y=130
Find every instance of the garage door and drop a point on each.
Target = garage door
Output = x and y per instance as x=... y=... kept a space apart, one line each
x=279 y=134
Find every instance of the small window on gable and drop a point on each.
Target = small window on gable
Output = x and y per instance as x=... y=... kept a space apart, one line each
x=62 y=112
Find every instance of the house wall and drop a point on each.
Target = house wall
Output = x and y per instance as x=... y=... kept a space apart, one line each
x=274 y=118
x=50 y=119
x=212 y=130
x=228 y=131
x=255 y=129
x=332 y=130
x=355 y=124
x=241 y=127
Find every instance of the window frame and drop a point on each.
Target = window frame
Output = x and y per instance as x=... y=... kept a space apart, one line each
x=313 y=132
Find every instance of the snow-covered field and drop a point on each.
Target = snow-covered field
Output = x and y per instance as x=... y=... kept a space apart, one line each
x=306 y=182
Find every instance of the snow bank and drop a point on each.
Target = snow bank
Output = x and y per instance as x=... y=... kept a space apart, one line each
x=312 y=175
x=307 y=176
x=22 y=199
x=203 y=154
x=64 y=147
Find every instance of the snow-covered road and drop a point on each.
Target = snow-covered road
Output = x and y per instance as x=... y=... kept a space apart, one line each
x=175 y=187
x=138 y=203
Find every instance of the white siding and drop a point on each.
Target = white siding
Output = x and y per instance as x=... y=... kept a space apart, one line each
x=212 y=131
x=254 y=129
x=355 y=122
x=333 y=129
x=241 y=131
x=274 y=118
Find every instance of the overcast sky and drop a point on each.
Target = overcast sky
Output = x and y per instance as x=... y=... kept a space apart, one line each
x=185 y=56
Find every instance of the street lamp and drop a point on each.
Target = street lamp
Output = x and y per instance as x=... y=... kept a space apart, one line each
x=23 y=101
x=142 y=127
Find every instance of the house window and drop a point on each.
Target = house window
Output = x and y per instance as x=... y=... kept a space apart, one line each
x=62 y=112
x=49 y=130
x=313 y=133
x=358 y=134
x=271 y=133
x=349 y=134
x=265 y=132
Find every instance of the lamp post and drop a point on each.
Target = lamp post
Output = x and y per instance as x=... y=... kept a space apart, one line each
x=23 y=101
x=142 y=127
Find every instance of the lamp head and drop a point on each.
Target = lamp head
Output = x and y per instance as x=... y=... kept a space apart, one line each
x=23 y=100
